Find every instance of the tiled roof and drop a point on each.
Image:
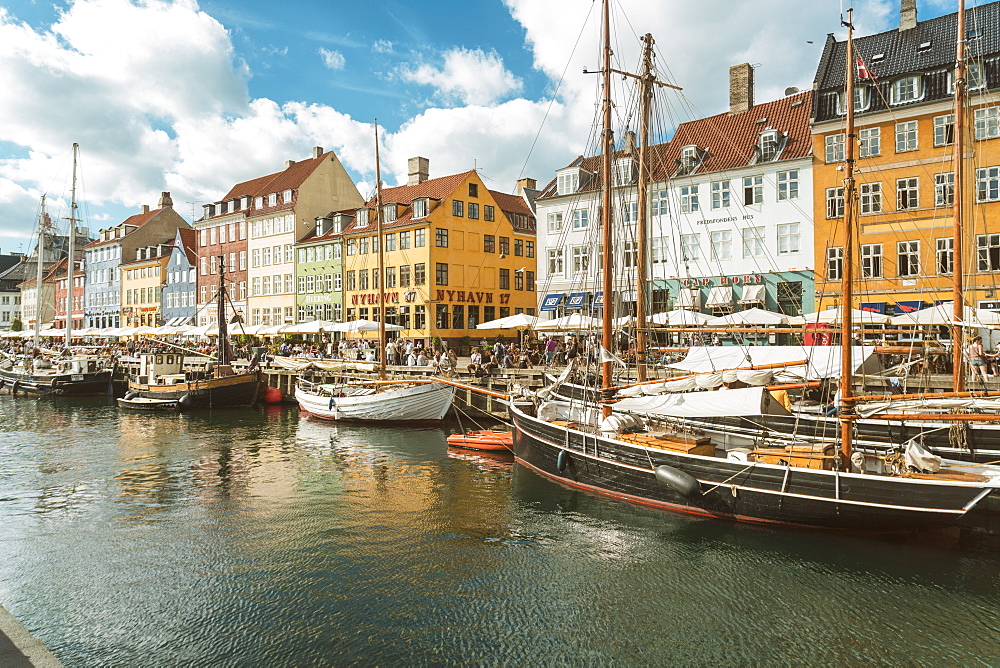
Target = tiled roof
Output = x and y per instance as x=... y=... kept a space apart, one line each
x=138 y=220
x=48 y=275
x=189 y=240
x=438 y=189
x=289 y=178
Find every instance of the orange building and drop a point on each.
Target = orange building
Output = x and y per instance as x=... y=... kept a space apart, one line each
x=142 y=284
x=904 y=170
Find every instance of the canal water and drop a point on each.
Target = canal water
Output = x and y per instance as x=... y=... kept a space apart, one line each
x=261 y=537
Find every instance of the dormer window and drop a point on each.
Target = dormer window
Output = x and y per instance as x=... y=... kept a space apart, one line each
x=338 y=224
x=258 y=202
x=237 y=203
x=322 y=226
x=907 y=89
x=975 y=76
x=389 y=213
x=286 y=197
x=420 y=208
x=924 y=46
x=272 y=199
x=623 y=173
x=568 y=182
x=363 y=218
x=862 y=99
x=691 y=157
x=769 y=145
x=223 y=207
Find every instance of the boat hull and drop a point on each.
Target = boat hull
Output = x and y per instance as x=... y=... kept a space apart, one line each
x=209 y=393
x=741 y=491
x=62 y=384
x=483 y=441
x=426 y=403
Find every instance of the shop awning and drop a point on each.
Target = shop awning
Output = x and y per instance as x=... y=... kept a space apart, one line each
x=598 y=301
x=687 y=298
x=908 y=307
x=576 y=301
x=873 y=307
x=721 y=296
x=753 y=294
x=552 y=301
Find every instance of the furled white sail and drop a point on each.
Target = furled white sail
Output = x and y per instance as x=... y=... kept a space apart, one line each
x=749 y=401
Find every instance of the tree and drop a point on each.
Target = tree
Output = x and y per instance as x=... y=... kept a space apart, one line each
x=16 y=325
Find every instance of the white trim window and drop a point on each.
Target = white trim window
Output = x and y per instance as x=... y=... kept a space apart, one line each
x=567 y=182
x=554 y=222
x=988 y=184
x=788 y=184
x=871 y=197
x=580 y=218
x=580 y=259
x=908 y=193
x=834 y=147
x=689 y=199
x=870 y=142
x=944 y=189
x=690 y=248
x=907 y=89
x=835 y=202
x=623 y=172
x=768 y=144
x=753 y=241
x=945 y=255
x=908 y=258
x=834 y=263
x=906 y=136
x=420 y=207
x=661 y=202
x=753 y=190
x=944 y=130
x=987 y=120
x=788 y=238
x=722 y=245
x=871 y=261
x=557 y=259
x=720 y=194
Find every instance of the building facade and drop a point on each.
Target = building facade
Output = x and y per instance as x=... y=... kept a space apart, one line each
x=319 y=270
x=142 y=283
x=179 y=299
x=61 y=280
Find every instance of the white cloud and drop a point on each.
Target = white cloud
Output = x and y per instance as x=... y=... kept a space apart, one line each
x=382 y=46
x=334 y=60
x=469 y=76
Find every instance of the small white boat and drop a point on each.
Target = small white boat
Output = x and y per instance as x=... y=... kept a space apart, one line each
x=376 y=401
x=148 y=404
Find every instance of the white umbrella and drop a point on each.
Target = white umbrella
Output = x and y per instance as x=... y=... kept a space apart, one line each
x=312 y=327
x=680 y=317
x=517 y=321
x=568 y=323
x=832 y=316
x=751 y=316
x=363 y=326
x=944 y=314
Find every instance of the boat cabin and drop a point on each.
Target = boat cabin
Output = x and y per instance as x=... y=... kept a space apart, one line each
x=161 y=368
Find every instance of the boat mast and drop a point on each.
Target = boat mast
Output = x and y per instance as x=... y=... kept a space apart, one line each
x=380 y=355
x=607 y=219
x=39 y=268
x=958 y=264
x=847 y=277
x=223 y=352
x=71 y=263
x=645 y=98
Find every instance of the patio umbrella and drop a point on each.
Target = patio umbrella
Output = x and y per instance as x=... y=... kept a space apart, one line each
x=680 y=317
x=363 y=326
x=832 y=316
x=568 y=323
x=944 y=314
x=518 y=321
x=751 y=316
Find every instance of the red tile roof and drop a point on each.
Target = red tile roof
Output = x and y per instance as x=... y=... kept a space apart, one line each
x=289 y=178
x=189 y=239
x=138 y=220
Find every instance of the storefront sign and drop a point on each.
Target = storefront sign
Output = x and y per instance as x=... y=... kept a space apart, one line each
x=472 y=297
x=745 y=279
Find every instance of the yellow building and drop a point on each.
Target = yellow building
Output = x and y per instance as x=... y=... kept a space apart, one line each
x=456 y=254
x=904 y=169
x=142 y=283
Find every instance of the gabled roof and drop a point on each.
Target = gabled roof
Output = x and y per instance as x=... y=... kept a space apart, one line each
x=48 y=275
x=438 y=189
x=310 y=236
x=189 y=242
x=138 y=220
x=289 y=178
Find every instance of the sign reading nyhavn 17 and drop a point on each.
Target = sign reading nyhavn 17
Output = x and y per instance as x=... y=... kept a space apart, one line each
x=464 y=296
x=745 y=279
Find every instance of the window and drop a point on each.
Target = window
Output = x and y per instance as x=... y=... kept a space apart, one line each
x=489 y=243
x=630 y=254
x=788 y=238
x=504 y=279
x=529 y=248
x=834 y=202
x=530 y=280
x=440 y=237
x=871 y=142
x=505 y=245
x=945 y=255
x=722 y=241
x=419 y=238
x=567 y=182
x=556 y=259
x=389 y=213
x=753 y=190
x=441 y=316
x=906 y=136
x=390 y=242
x=871 y=197
x=907 y=193
x=834 y=263
x=689 y=159
x=419 y=274
x=690 y=247
x=457 y=207
x=907 y=89
x=420 y=208
x=767 y=145
x=862 y=98
x=753 y=241
x=944 y=130
x=362 y=279
x=352 y=280
x=988 y=252
x=871 y=261
x=555 y=222
x=404 y=240
x=988 y=184
x=788 y=184
x=689 y=199
x=488 y=213
x=987 y=123
x=390 y=277
x=944 y=189
x=441 y=273
x=272 y=199
x=622 y=172
x=473 y=208
x=580 y=218
x=473 y=190
x=364 y=216
x=835 y=148
x=580 y=259
x=975 y=77
x=661 y=203
x=518 y=247
x=908 y=258
x=286 y=197
x=720 y=194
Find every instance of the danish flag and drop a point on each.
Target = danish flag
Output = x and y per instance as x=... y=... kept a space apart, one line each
x=863 y=72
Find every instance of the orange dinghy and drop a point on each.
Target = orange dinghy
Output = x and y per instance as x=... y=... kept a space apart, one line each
x=487 y=440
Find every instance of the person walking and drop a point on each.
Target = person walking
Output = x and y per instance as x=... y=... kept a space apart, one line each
x=977 y=358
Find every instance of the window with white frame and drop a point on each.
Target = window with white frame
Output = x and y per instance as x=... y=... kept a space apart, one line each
x=871 y=197
x=580 y=259
x=862 y=98
x=944 y=130
x=420 y=208
x=720 y=194
x=690 y=157
x=658 y=248
x=987 y=123
x=975 y=76
x=554 y=222
x=834 y=147
x=908 y=258
x=689 y=199
x=944 y=189
x=630 y=254
x=622 y=172
x=907 y=89
x=363 y=217
x=871 y=261
x=556 y=261
x=753 y=190
x=753 y=241
x=908 y=193
x=834 y=202
x=722 y=245
x=629 y=212
x=988 y=252
x=660 y=202
x=788 y=238
x=988 y=184
x=767 y=145
x=870 y=142
x=788 y=184
x=580 y=219
x=690 y=247
x=272 y=199
x=834 y=263
x=906 y=136
x=567 y=182
x=944 y=255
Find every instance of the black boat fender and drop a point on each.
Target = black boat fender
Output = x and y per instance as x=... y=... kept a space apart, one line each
x=129 y=396
x=683 y=483
x=562 y=460
x=13 y=388
x=185 y=401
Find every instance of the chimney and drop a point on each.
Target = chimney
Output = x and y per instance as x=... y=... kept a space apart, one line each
x=630 y=146
x=907 y=15
x=525 y=184
x=317 y=151
x=740 y=88
x=289 y=163
x=419 y=170
x=165 y=201
x=145 y=208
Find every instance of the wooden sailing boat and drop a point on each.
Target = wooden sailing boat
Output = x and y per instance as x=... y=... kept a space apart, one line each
x=383 y=400
x=788 y=481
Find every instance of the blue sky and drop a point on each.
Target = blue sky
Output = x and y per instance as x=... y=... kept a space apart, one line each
x=192 y=97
